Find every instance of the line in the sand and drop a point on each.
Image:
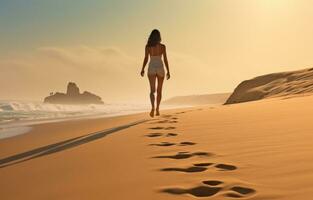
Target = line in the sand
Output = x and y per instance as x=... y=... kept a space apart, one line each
x=63 y=145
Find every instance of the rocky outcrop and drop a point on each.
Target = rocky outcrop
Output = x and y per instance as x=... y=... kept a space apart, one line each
x=72 y=89
x=73 y=96
x=273 y=85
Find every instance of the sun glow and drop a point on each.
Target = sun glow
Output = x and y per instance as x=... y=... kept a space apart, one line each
x=274 y=6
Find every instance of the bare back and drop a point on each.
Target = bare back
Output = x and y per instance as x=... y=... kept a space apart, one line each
x=157 y=50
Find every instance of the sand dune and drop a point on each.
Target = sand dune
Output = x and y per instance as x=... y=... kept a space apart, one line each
x=257 y=151
x=273 y=85
x=205 y=99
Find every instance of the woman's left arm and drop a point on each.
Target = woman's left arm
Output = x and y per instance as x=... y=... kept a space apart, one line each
x=145 y=60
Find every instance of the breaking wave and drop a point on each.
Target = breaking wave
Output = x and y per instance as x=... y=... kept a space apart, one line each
x=18 y=110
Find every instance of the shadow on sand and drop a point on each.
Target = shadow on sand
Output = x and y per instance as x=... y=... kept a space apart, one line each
x=60 y=146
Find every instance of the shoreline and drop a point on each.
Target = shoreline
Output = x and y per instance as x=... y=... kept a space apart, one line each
x=12 y=129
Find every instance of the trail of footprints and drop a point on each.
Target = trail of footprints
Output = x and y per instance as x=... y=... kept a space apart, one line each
x=200 y=167
x=206 y=188
x=212 y=187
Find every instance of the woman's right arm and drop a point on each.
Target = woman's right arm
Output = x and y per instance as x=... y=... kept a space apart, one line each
x=145 y=61
x=168 y=75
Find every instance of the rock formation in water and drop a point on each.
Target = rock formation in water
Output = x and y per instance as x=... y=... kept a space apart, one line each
x=73 y=96
x=283 y=84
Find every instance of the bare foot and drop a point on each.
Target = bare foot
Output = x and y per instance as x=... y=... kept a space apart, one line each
x=157 y=112
x=152 y=113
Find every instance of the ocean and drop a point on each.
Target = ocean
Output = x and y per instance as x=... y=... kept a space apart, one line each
x=16 y=111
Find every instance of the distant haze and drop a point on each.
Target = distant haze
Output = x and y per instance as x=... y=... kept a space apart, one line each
x=205 y=99
x=212 y=45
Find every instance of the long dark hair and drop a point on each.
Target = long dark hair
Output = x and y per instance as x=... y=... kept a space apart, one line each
x=154 y=38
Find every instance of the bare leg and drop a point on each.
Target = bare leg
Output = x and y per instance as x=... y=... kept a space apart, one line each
x=159 y=93
x=152 y=79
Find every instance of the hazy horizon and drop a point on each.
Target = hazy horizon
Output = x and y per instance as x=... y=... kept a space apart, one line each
x=212 y=45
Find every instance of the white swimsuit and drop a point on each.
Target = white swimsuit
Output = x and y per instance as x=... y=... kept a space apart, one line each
x=156 y=66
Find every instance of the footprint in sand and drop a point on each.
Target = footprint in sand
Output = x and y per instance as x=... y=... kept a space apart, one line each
x=154 y=135
x=165 y=121
x=166 y=144
x=157 y=128
x=203 y=164
x=212 y=182
x=225 y=167
x=170 y=128
x=163 y=144
x=186 y=155
x=220 y=167
x=162 y=128
x=192 y=169
x=159 y=122
x=212 y=187
x=186 y=143
x=166 y=116
x=240 y=192
x=200 y=167
x=181 y=112
x=169 y=118
x=171 y=135
x=199 y=191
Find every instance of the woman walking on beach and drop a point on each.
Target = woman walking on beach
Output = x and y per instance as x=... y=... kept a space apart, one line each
x=155 y=50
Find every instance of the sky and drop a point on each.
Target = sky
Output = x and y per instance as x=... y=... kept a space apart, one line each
x=212 y=45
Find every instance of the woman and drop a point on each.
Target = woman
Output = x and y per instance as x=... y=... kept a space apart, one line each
x=155 y=50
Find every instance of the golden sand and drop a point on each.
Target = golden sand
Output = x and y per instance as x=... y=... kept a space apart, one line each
x=259 y=150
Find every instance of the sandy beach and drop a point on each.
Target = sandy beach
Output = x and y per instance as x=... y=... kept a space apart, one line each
x=256 y=150
x=156 y=100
